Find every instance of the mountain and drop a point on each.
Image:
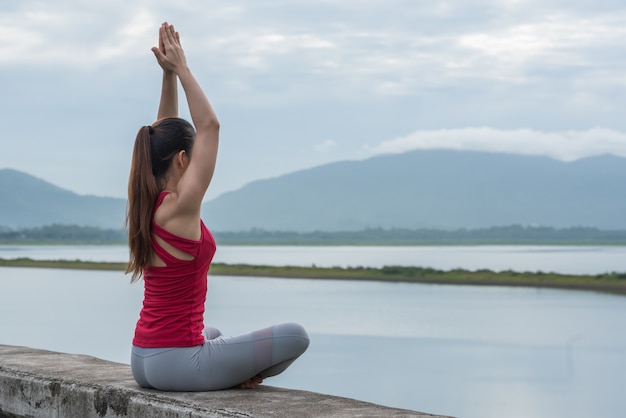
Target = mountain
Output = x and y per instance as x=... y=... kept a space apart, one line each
x=431 y=189
x=419 y=189
x=29 y=202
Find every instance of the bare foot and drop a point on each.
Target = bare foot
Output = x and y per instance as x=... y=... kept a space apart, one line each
x=252 y=383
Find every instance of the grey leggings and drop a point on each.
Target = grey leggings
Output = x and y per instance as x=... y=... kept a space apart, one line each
x=221 y=362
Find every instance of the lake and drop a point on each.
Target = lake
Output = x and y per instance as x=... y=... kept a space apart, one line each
x=559 y=259
x=453 y=350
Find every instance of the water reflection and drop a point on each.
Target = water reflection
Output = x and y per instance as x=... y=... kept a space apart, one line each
x=456 y=350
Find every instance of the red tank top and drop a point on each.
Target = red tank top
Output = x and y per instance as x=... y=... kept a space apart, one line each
x=174 y=295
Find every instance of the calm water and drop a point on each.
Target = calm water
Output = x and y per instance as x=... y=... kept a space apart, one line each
x=455 y=350
x=561 y=259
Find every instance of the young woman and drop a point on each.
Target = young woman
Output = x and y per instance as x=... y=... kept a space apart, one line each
x=170 y=246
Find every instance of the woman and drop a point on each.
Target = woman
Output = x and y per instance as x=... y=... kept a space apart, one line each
x=172 y=166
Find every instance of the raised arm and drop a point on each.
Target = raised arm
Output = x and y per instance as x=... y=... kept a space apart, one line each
x=168 y=106
x=197 y=177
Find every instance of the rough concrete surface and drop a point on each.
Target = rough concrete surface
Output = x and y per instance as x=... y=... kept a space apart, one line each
x=39 y=383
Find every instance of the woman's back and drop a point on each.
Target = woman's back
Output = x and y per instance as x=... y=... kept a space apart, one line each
x=175 y=293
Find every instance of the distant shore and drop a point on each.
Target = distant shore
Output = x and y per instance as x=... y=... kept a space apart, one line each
x=609 y=283
x=500 y=235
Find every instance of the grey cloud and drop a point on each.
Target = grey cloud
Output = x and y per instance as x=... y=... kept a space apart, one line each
x=287 y=76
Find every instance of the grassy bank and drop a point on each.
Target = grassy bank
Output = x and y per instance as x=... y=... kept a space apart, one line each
x=610 y=282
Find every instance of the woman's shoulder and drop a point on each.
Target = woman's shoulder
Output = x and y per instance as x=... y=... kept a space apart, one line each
x=162 y=196
x=161 y=206
x=168 y=216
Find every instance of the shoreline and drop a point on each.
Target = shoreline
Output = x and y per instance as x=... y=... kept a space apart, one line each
x=347 y=243
x=614 y=283
x=618 y=289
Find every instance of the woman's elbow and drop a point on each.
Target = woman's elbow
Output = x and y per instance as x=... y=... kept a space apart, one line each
x=210 y=125
x=213 y=124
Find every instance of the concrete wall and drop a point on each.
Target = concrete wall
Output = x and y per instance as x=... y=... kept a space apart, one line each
x=38 y=383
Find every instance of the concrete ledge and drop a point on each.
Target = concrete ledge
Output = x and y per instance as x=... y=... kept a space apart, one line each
x=38 y=383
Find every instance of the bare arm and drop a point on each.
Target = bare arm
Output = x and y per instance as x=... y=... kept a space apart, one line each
x=168 y=106
x=196 y=179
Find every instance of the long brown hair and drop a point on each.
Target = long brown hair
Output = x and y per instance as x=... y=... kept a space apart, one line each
x=155 y=146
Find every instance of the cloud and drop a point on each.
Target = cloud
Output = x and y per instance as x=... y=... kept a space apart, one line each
x=132 y=36
x=554 y=41
x=260 y=48
x=325 y=145
x=538 y=74
x=76 y=35
x=354 y=49
x=566 y=145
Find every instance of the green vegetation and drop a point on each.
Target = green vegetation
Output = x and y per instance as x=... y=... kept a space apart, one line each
x=499 y=235
x=63 y=234
x=61 y=264
x=610 y=282
x=503 y=235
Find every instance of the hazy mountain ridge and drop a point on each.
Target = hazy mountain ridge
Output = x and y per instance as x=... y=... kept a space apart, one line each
x=431 y=189
x=414 y=190
x=28 y=201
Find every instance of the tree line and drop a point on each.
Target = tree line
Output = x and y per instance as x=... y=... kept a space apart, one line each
x=497 y=235
x=63 y=234
x=514 y=234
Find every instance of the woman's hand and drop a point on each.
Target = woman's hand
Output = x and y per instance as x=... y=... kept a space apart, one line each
x=169 y=54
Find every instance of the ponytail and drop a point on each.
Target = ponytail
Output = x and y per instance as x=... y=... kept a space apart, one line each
x=143 y=192
x=155 y=146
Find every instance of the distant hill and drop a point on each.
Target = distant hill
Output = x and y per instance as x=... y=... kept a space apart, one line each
x=28 y=201
x=416 y=190
x=431 y=189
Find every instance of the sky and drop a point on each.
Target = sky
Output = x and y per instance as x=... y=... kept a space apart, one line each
x=299 y=84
